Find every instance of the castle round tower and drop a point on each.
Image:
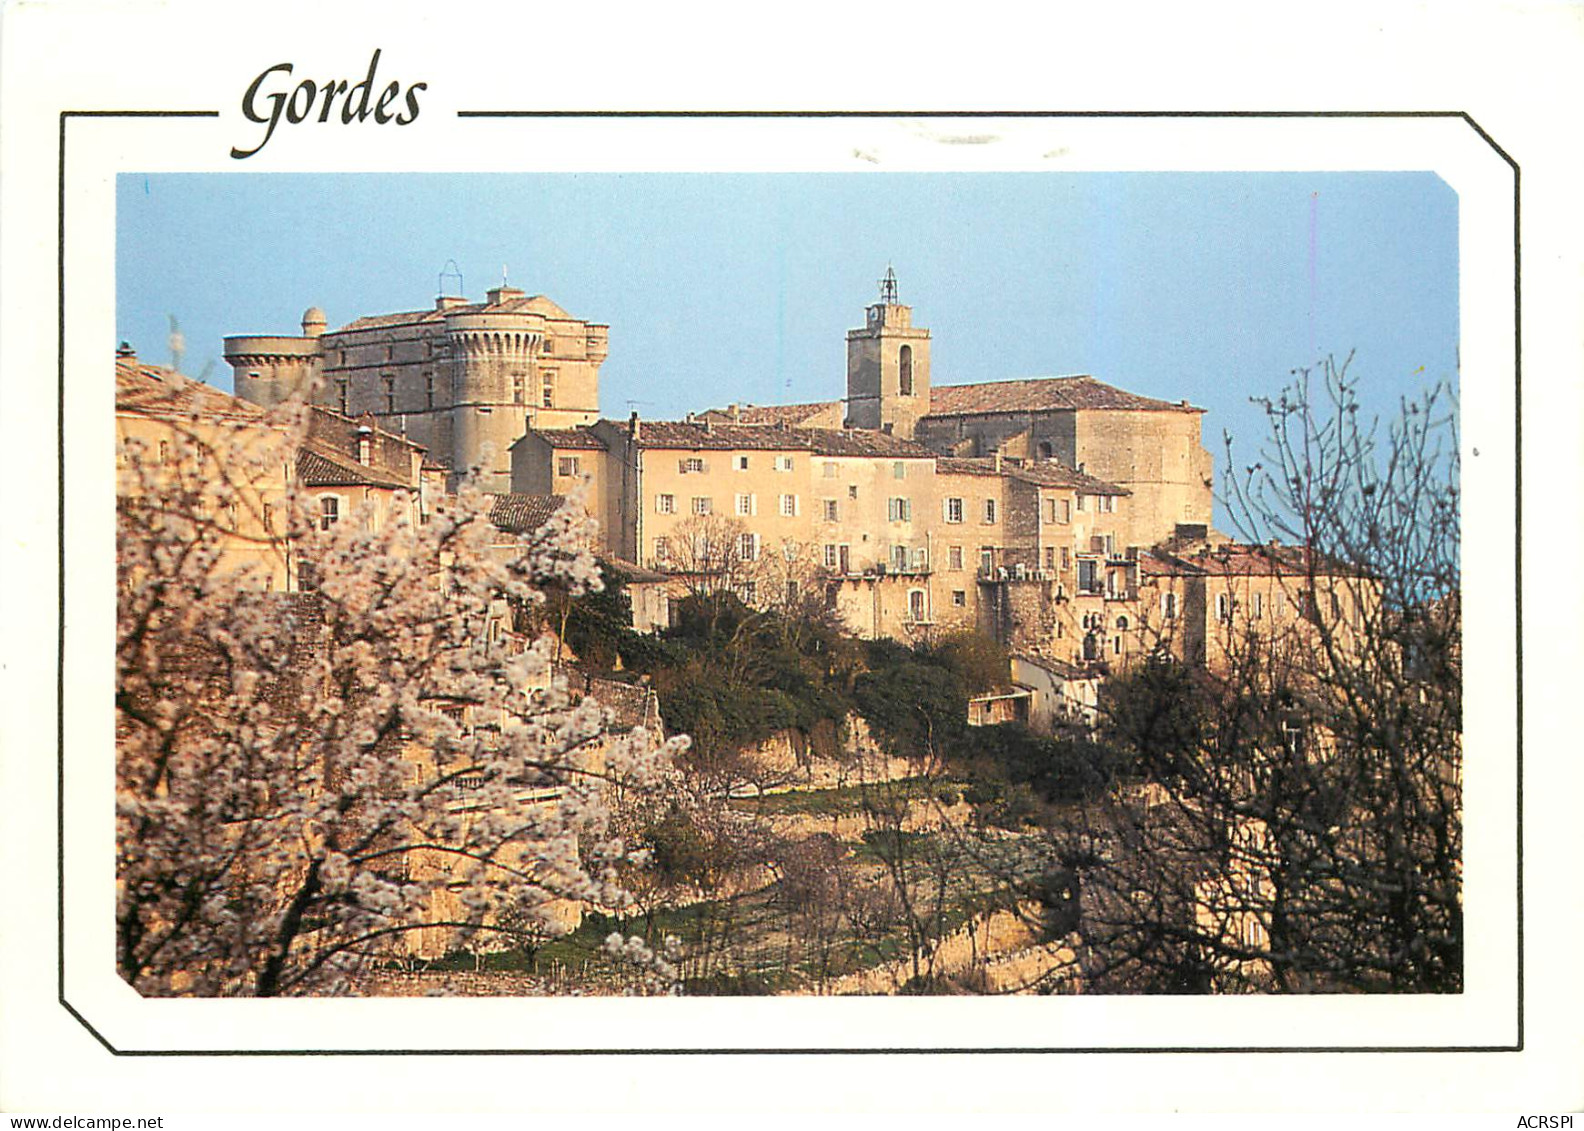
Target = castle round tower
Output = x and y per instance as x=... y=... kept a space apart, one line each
x=266 y=369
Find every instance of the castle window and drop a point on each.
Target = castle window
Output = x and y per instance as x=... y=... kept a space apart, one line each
x=954 y=557
x=1116 y=645
x=1107 y=504
x=791 y=590
x=662 y=549
x=390 y=393
x=831 y=513
x=990 y=512
x=429 y=388
x=852 y=491
x=1082 y=502
x=1223 y=607
x=702 y=504
x=830 y=556
x=665 y=504
x=567 y=465
x=742 y=463
x=747 y=505
x=959 y=597
x=905 y=371
x=692 y=466
x=783 y=463
x=899 y=557
x=329 y=512
x=916 y=608
x=1122 y=623
x=517 y=388
x=954 y=510
x=750 y=592
x=1168 y=606
x=748 y=547
x=789 y=506
x=549 y=388
x=1050 y=557
x=899 y=510
x=1045 y=449
x=164 y=451
x=830 y=469
x=1259 y=606
x=549 y=346
x=1066 y=558
x=899 y=470
x=341 y=394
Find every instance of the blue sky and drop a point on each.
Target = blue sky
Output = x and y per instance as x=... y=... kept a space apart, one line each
x=722 y=288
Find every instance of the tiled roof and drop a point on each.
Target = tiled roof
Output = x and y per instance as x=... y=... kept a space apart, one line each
x=1057 y=667
x=1160 y=563
x=1241 y=560
x=523 y=514
x=1045 y=473
x=789 y=414
x=1041 y=394
x=687 y=436
x=860 y=442
x=319 y=466
x=1049 y=473
x=152 y=390
x=534 y=304
x=1262 y=560
x=692 y=436
x=579 y=437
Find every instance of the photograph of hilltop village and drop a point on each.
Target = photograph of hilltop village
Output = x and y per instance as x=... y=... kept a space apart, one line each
x=435 y=676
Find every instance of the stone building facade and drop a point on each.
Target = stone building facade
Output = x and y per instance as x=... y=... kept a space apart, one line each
x=465 y=380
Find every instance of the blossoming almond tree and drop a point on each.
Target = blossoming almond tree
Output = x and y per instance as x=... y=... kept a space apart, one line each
x=310 y=780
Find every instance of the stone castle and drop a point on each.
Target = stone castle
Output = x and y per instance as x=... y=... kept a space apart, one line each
x=463 y=379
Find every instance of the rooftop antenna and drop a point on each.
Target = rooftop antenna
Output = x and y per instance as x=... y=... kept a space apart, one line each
x=888 y=288
x=178 y=344
x=178 y=348
x=503 y=274
x=455 y=272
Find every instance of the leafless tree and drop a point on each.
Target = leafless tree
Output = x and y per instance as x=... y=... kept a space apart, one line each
x=1300 y=825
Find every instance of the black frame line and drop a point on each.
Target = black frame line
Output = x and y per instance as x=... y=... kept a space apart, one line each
x=60 y=679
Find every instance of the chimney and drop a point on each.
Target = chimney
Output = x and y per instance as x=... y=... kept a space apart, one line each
x=446 y=302
x=706 y=426
x=736 y=414
x=633 y=427
x=995 y=458
x=365 y=443
x=125 y=352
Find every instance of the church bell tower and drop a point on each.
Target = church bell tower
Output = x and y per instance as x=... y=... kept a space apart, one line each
x=888 y=367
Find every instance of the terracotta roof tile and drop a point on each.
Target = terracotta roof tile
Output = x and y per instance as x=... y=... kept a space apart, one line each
x=691 y=436
x=152 y=390
x=579 y=437
x=1044 y=473
x=322 y=467
x=789 y=414
x=531 y=304
x=1042 y=394
x=523 y=514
